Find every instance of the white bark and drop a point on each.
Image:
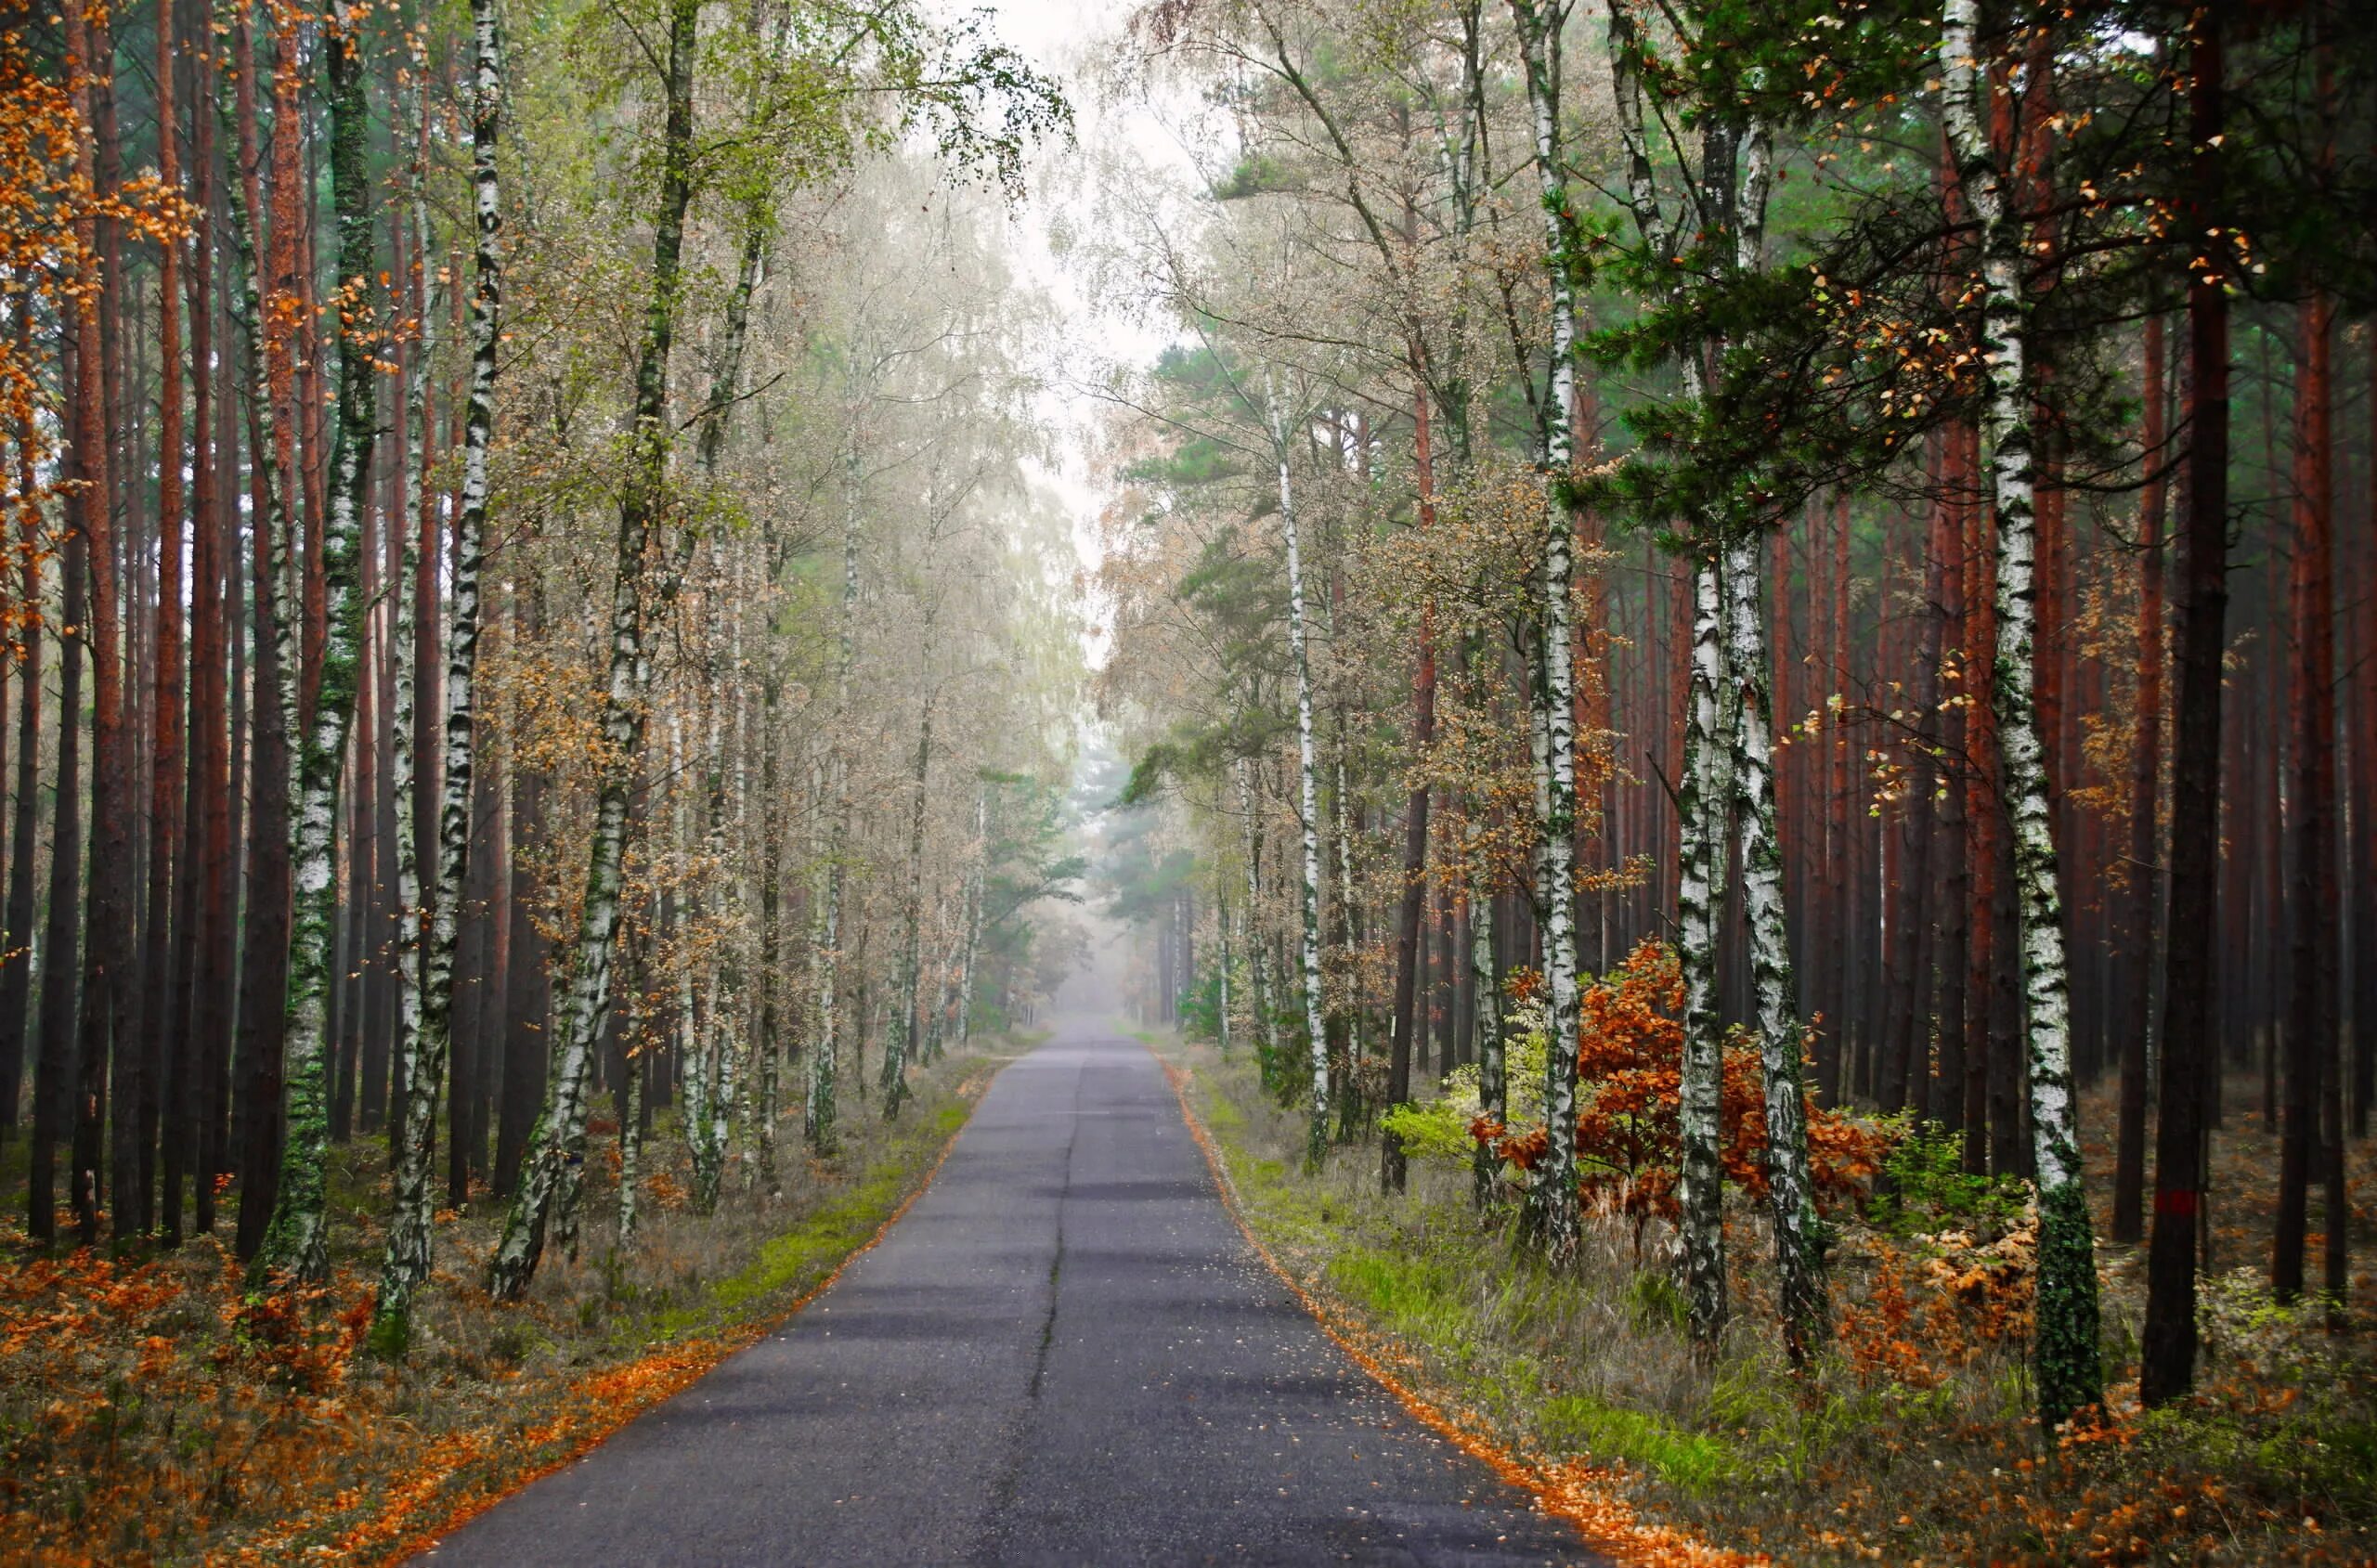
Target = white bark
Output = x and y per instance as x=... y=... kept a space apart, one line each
x=1790 y=1182
x=1706 y=786
x=1493 y=1089
x=1309 y=801
x=406 y=1260
x=973 y=919
x=1266 y=1021
x=1552 y=1201
x=904 y=1029
x=2070 y=1375
x=827 y=937
x=631 y=1148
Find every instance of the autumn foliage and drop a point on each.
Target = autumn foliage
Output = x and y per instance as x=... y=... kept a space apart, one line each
x=1629 y=1052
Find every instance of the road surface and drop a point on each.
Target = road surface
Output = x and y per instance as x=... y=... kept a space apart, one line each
x=1064 y=1354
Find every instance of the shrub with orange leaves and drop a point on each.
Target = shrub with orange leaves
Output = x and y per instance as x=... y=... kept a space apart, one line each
x=1629 y=1058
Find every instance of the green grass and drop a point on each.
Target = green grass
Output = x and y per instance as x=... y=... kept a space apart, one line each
x=1838 y=1463
x=793 y=1261
x=1694 y=1462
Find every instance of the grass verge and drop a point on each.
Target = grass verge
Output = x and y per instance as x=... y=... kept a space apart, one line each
x=1910 y=1441
x=150 y=1412
x=1588 y=1496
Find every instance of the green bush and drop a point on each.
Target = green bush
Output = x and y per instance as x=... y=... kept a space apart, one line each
x=1925 y=1188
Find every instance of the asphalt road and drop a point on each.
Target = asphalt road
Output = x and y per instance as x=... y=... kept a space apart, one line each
x=1065 y=1354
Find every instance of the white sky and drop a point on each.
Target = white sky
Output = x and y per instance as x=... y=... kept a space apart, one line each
x=1065 y=38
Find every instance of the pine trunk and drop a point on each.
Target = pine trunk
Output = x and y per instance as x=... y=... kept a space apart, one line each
x=2167 y=1351
x=2145 y=804
x=1392 y=1172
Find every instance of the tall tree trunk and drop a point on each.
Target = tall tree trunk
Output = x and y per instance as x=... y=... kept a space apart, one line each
x=547 y=1181
x=1415 y=827
x=17 y=931
x=903 y=1026
x=108 y=1037
x=405 y=1262
x=2310 y=818
x=2070 y=1377
x=1791 y=1195
x=165 y=944
x=2167 y=1362
x=203 y=907
x=1493 y=1088
x=1309 y=800
x=1266 y=1019
x=1955 y=840
x=2145 y=804
x=1554 y=1214
x=61 y=940
x=264 y=979
x=826 y=942
x=1705 y=786
x=296 y=1240
x=1983 y=817
x=528 y=980
x=974 y=931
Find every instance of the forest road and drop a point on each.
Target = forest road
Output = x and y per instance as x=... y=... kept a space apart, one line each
x=1065 y=1352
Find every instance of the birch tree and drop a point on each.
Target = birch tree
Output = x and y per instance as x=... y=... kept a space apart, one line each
x=1552 y=1195
x=425 y=966
x=2070 y=1375
x=1307 y=788
x=556 y=1148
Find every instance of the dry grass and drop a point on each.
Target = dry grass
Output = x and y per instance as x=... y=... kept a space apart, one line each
x=1914 y=1443
x=151 y=1411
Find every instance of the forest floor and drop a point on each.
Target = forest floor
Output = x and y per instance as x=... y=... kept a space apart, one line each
x=151 y=1411
x=1912 y=1441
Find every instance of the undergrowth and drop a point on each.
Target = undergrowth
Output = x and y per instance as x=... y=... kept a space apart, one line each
x=154 y=1411
x=1913 y=1441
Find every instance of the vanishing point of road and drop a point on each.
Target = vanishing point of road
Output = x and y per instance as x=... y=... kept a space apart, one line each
x=1066 y=1353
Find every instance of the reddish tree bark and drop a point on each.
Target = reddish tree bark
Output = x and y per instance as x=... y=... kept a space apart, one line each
x=1842 y=818
x=109 y=1049
x=161 y=968
x=2168 y=1364
x=61 y=941
x=264 y=979
x=2145 y=806
x=17 y=930
x=2311 y=825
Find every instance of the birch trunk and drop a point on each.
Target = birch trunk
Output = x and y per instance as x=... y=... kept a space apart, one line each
x=406 y=1262
x=1266 y=1022
x=1706 y=786
x=827 y=942
x=904 y=1031
x=974 y=926
x=438 y=924
x=632 y=1148
x=1308 y=803
x=296 y=1240
x=1799 y=1243
x=1552 y=1200
x=2070 y=1375
x=769 y=1045
x=558 y=1143
x=1704 y=790
x=1493 y=1090
x=1790 y=1183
